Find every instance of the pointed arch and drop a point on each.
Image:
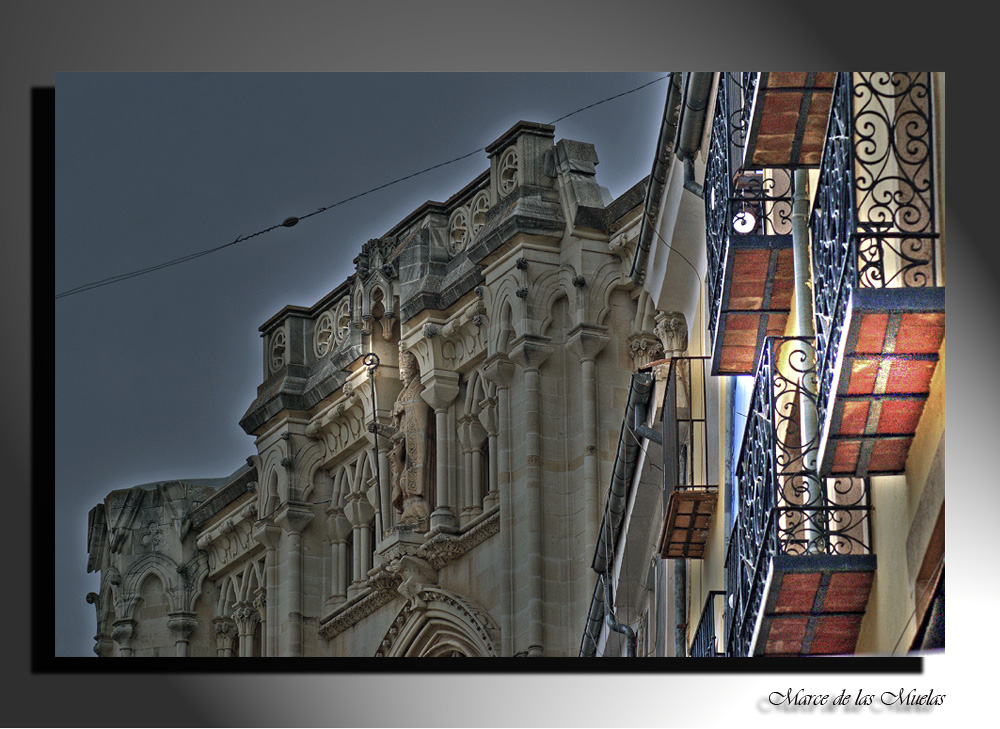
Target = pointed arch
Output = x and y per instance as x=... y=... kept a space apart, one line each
x=447 y=624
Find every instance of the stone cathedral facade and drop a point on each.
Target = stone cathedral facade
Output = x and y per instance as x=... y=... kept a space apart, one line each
x=434 y=439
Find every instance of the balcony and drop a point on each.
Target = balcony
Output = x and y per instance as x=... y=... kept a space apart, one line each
x=878 y=283
x=707 y=641
x=787 y=118
x=799 y=564
x=690 y=499
x=748 y=215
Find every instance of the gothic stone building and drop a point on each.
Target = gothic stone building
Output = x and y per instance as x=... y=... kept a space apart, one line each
x=442 y=498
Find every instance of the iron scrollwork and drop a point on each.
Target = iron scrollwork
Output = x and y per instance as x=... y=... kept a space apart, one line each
x=873 y=222
x=782 y=505
x=738 y=202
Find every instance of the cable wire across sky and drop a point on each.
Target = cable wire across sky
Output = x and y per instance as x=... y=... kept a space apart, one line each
x=289 y=222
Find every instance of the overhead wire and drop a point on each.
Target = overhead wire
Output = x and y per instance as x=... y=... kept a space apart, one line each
x=290 y=221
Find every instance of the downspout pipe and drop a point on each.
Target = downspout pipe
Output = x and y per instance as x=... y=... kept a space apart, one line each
x=612 y=621
x=658 y=177
x=640 y=412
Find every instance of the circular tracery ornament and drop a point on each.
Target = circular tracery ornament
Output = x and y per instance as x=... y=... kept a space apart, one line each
x=458 y=227
x=480 y=205
x=277 y=353
x=508 y=171
x=324 y=334
x=342 y=321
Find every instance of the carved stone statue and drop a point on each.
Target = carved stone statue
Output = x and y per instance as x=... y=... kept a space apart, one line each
x=412 y=450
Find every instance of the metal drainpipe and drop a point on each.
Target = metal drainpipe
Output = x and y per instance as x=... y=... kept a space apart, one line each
x=612 y=621
x=804 y=327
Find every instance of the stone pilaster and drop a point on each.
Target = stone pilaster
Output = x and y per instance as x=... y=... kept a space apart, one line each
x=500 y=371
x=529 y=352
x=269 y=534
x=293 y=518
x=587 y=342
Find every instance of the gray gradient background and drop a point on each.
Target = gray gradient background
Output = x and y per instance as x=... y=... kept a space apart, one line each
x=46 y=38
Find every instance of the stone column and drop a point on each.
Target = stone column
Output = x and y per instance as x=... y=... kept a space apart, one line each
x=246 y=618
x=440 y=390
x=293 y=519
x=121 y=633
x=471 y=435
x=385 y=487
x=529 y=352
x=500 y=370
x=488 y=418
x=268 y=534
x=260 y=605
x=337 y=529
x=225 y=633
x=360 y=513
x=181 y=624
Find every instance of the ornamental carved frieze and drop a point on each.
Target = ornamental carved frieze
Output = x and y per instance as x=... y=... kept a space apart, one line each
x=344 y=422
x=450 y=345
x=231 y=540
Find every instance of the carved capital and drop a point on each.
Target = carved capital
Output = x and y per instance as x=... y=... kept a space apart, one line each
x=530 y=351
x=246 y=616
x=488 y=415
x=440 y=388
x=359 y=510
x=671 y=329
x=267 y=533
x=182 y=624
x=588 y=341
x=121 y=632
x=338 y=527
x=644 y=348
x=293 y=517
x=225 y=632
x=499 y=370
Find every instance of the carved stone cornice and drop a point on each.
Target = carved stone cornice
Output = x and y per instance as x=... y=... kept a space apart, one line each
x=231 y=540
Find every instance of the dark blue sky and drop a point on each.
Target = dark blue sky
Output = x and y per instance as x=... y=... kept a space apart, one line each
x=153 y=373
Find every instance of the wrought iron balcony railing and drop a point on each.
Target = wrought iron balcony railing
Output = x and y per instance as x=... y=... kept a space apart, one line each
x=708 y=639
x=689 y=499
x=874 y=235
x=782 y=506
x=748 y=216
